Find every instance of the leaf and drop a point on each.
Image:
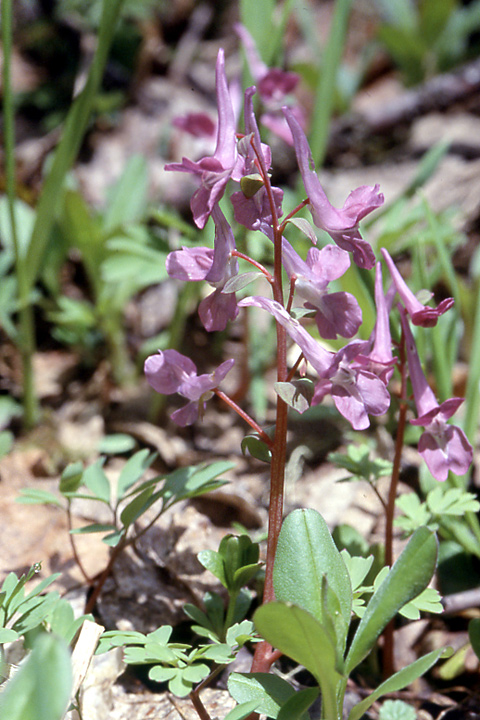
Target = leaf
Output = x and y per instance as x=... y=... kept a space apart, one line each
x=193 y=481
x=71 y=478
x=93 y=528
x=125 y=206
x=242 y=711
x=8 y=635
x=358 y=568
x=116 y=444
x=241 y=281
x=270 y=692
x=133 y=470
x=396 y=682
x=96 y=481
x=428 y=601
x=69 y=145
x=305 y=554
x=213 y=561
x=37 y=496
x=296 y=706
x=396 y=710
x=474 y=635
x=451 y=501
x=417 y=564
x=297 y=634
x=40 y=690
x=415 y=512
x=297 y=394
x=306 y=227
x=256 y=448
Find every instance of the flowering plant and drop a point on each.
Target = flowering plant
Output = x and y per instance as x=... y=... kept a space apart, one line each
x=356 y=377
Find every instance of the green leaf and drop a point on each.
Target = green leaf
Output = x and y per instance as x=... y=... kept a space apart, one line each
x=305 y=554
x=213 y=561
x=124 y=205
x=443 y=500
x=417 y=563
x=7 y=439
x=256 y=448
x=133 y=470
x=296 y=706
x=428 y=601
x=242 y=711
x=8 y=635
x=138 y=506
x=116 y=444
x=396 y=710
x=193 y=481
x=241 y=281
x=71 y=478
x=93 y=528
x=297 y=634
x=474 y=635
x=40 y=690
x=415 y=513
x=96 y=481
x=69 y=145
x=297 y=394
x=396 y=682
x=37 y=496
x=270 y=692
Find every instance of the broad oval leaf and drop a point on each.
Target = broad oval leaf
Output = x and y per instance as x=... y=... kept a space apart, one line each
x=305 y=553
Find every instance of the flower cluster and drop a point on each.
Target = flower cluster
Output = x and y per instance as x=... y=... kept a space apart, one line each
x=357 y=376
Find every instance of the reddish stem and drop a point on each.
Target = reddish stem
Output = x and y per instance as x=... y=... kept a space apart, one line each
x=245 y=416
x=388 y=634
x=262 y=660
x=259 y=266
x=291 y=214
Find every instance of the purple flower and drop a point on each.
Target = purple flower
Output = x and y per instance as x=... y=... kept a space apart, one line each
x=443 y=447
x=251 y=204
x=214 y=171
x=338 y=312
x=355 y=392
x=216 y=267
x=171 y=372
x=198 y=124
x=341 y=225
x=379 y=360
x=273 y=84
x=420 y=314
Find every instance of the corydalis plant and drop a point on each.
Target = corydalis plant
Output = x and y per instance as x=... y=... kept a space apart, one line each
x=356 y=377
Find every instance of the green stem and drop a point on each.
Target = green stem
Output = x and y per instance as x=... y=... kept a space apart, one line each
x=26 y=325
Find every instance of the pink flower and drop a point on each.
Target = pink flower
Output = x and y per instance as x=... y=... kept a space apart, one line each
x=216 y=267
x=273 y=84
x=420 y=314
x=355 y=392
x=338 y=312
x=379 y=360
x=171 y=372
x=214 y=171
x=197 y=124
x=341 y=225
x=251 y=205
x=443 y=447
